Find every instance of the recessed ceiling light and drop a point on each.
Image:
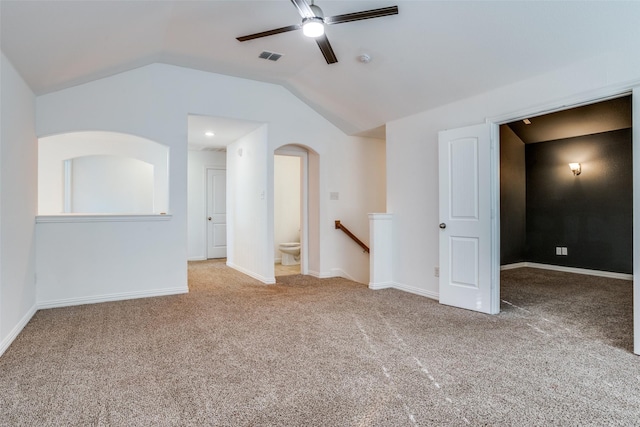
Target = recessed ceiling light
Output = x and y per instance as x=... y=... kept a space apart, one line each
x=209 y=134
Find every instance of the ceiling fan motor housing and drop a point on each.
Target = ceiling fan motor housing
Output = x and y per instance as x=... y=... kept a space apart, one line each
x=317 y=11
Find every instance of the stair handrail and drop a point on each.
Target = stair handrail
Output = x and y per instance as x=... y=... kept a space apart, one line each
x=339 y=226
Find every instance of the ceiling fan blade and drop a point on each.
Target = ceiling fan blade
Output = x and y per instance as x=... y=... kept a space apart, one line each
x=365 y=14
x=327 y=51
x=269 y=33
x=303 y=8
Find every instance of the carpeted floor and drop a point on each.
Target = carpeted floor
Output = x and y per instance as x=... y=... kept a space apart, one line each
x=330 y=352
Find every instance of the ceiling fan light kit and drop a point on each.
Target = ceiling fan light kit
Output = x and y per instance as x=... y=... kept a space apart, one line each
x=313 y=27
x=313 y=22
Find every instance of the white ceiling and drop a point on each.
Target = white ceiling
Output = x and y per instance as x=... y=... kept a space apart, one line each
x=432 y=53
x=225 y=131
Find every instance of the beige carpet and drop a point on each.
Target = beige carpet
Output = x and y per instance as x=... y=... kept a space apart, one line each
x=310 y=352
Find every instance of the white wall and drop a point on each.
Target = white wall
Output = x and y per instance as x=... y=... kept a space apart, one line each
x=111 y=184
x=247 y=206
x=18 y=176
x=153 y=102
x=286 y=201
x=81 y=262
x=197 y=175
x=55 y=149
x=358 y=175
x=412 y=152
x=114 y=259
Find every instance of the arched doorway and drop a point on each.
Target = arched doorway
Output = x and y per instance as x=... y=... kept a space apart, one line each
x=304 y=162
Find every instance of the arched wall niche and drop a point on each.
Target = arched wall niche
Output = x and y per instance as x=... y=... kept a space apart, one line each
x=110 y=173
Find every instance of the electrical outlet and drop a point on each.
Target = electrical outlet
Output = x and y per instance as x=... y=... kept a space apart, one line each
x=564 y=251
x=558 y=250
x=436 y=271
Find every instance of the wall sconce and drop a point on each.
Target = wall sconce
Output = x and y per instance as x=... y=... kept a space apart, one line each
x=575 y=168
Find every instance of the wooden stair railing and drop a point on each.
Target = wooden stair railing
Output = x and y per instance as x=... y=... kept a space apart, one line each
x=353 y=237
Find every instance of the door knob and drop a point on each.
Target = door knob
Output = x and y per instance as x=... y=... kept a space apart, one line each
x=209 y=218
x=443 y=225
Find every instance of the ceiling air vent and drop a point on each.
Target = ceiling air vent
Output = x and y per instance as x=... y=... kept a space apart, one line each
x=271 y=56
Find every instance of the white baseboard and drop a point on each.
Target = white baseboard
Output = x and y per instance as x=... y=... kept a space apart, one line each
x=197 y=258
x=404 y=288
x=338 y=272
x=417 y=291
x=335 y=272
x=380 y=285
x=67 y=302
x=574 y=270
x=318 y=275
x=263 y=279
x=6 y=342
x=513 y=266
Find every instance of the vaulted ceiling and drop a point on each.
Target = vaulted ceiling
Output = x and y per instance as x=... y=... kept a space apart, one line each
x=431 y=53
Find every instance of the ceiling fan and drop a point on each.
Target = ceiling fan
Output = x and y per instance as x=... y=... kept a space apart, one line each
x=313 y=22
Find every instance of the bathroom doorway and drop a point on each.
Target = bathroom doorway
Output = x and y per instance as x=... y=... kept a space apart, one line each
x=290 y=212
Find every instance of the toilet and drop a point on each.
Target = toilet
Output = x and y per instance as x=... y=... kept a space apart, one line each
x=290 y=253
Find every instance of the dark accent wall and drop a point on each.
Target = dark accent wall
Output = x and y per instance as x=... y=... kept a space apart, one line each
x=512 y=197
x=590 y=214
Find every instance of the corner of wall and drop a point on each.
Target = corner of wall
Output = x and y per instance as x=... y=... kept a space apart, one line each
x=18 y=201
x=13 y=334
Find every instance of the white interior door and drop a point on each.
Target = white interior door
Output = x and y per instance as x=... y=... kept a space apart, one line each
x=467 y=276
x=216 y=213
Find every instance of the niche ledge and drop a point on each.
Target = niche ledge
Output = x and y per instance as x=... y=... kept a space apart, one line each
x=72 y=218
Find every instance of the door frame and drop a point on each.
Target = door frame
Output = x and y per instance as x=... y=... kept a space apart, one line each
x=604 y=94
x=206 y=206
x=301 y=152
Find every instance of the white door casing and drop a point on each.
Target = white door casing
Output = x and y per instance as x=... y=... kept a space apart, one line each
x=303 y=154
x=216 y=215
x=635 y=109
x=468 y=278
x=577 y=101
